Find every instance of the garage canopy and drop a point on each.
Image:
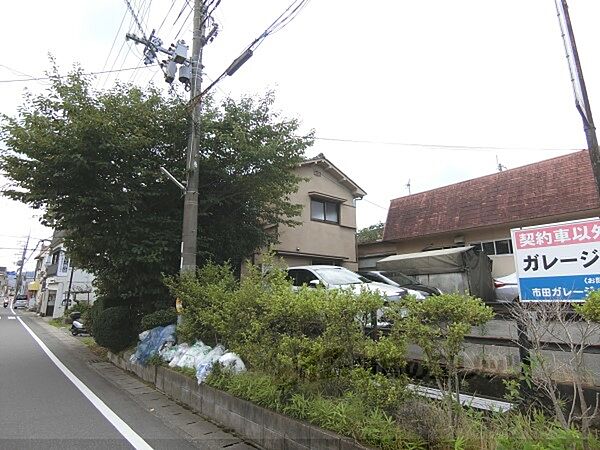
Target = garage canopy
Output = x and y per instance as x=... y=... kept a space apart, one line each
x=436 y=261
x=475 y=265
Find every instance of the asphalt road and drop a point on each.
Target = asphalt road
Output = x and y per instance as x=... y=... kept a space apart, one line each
x=41 y=408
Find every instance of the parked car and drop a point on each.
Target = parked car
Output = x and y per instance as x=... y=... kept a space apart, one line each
x=334 y=277
x=20 y=302
x=507 y=288
x=400 y=280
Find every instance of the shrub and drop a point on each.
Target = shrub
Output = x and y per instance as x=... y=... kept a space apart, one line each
x=114 y=329
x=439 y=325
x=305 y=335
x=160 y=318
x=83 y=308
x=590 y=309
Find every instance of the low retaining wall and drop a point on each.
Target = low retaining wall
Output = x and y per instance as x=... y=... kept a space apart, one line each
x=270 y=430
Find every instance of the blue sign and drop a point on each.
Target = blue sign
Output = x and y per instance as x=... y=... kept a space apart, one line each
x=565 y=288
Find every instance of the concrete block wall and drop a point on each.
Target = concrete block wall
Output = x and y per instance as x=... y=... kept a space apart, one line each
x=268 y=429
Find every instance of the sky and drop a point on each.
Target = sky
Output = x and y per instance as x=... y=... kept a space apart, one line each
x=429 y=92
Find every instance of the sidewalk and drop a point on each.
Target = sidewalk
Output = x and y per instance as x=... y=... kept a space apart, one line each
x=204 y=434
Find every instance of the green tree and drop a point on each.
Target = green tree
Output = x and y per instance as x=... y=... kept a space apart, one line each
x=439 y=325
x=90 y=159
x=370 y=234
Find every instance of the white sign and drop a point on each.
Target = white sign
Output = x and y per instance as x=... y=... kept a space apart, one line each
x=557 y=262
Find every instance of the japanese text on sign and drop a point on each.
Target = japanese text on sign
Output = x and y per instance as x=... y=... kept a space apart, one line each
x=558 y=262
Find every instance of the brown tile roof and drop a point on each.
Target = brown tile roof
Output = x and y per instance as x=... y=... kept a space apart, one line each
x=555 y=186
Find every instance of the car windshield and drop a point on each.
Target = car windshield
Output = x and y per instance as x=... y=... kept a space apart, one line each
x=399 y=278
x=340 y=276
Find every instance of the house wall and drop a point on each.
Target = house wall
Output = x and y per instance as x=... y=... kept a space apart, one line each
x=301 y=244
x=502 y=264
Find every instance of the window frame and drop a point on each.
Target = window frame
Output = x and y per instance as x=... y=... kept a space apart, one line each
x=479 y=245
x=324 y=203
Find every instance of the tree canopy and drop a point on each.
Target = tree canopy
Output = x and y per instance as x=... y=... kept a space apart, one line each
x=90 y=160
x=369 y=234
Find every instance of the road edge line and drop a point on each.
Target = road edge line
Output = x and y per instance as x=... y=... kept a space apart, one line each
x=119 y=424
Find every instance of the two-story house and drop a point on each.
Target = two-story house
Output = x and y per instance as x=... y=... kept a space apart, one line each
x=63 y=280
x=327 y=230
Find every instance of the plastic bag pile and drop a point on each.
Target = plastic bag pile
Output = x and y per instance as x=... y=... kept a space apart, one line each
x=200 y=357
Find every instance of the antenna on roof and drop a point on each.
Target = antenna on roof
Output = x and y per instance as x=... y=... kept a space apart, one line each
x=500 y=167
x=408 y=186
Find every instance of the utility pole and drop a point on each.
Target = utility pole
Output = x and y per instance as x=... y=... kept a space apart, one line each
x=581 y=97
x=69 y=288
x=189 y=238
x=22 y=263
x=190 y=73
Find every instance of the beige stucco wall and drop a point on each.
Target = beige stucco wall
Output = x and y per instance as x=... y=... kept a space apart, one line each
x=311 y=239
x=502 y=264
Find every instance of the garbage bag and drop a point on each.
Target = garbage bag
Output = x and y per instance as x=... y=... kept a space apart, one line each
x=179 y=352
x=204 y=365
x=232 y=362
x=195 y=352
x=167 y=351
x=143 y=335
x=153 y=341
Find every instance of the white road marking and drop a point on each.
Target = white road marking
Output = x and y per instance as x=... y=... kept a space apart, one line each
x=125 y=430
x=11 y=317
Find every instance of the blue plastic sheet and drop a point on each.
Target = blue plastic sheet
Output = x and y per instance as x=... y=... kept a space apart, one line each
x=153 y=342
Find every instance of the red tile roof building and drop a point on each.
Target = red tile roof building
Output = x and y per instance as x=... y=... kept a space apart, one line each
x=553 y=187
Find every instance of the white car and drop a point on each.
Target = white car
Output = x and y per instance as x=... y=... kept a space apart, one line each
x=507 y=288
x=334 y=277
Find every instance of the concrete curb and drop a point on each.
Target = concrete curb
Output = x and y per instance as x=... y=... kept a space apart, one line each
x=266 y=428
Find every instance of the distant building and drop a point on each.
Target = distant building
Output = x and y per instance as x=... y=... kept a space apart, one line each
x=3 y=283
x=327 y=230
x=59 y=274
x=482 y=211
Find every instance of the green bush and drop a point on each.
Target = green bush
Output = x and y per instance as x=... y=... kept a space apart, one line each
x=347 y=414
x=113 y=328
x=590 y=309
x=81 y=307
x=311 y=334
x=160 y=318
x=309 y=357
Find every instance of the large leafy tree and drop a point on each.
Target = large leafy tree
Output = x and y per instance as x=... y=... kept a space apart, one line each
x=372 y=233
x=90 y=160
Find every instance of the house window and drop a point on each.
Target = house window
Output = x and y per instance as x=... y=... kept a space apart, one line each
x=488 y=248
x=499 y=247
x=55 y=257
x=324 y=211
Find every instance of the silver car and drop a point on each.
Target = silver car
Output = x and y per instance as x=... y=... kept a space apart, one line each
x=334 y=277
x=20 y=303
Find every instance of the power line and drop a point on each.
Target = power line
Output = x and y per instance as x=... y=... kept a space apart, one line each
x=183 y=24
x=374 y=204
x=115 y=39
x=131 y=22
x=165 y=18
x=64 y=76
x=441 y=146
x=15 y=71
x=276 y=25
